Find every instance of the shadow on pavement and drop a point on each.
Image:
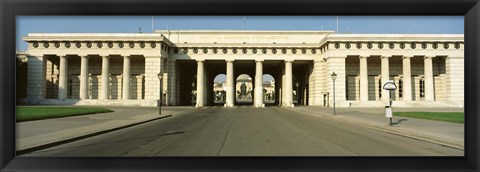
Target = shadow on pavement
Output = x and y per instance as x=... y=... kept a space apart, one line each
x=116 y=141
x=399 y=121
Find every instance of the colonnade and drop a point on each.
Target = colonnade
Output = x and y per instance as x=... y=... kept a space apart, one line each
x=84 y=75
x=407 y=78
x=286 y=87
x=230 y=82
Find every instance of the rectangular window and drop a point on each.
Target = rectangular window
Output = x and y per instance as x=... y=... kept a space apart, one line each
x=70 y=88
x=380 y=88
x=400 y=88
x=422 y=88
x=346 y=89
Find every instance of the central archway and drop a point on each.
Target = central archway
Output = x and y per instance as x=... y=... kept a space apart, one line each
x=219 y=90
x=269 y=90
x=244 y=90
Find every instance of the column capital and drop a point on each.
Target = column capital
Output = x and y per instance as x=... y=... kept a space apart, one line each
x=407 y=57
x=385 y=57
x=259 y=60
x=428 y=57
x=363 y=57
x=288 y=60
x=200 y=60
x=229 y=60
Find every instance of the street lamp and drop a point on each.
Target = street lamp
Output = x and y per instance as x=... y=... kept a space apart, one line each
x=160 y=77
x=297 y=94
x=193 y=94
x=334 y=77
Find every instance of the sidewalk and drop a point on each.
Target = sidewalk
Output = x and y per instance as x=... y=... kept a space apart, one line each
x=443 y=133
x=36 y=134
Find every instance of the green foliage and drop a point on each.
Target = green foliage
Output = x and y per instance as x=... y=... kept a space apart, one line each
x=456 y=117
x=38 y=113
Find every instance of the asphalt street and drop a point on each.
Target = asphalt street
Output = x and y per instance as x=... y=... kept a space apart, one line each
x=246 y=131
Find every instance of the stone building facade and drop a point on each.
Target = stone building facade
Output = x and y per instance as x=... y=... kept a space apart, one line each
x=123 y=69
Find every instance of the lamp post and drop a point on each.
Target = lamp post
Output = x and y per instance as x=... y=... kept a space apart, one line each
x=334 y=77
x=296 y=84
x=160 y=77
x=193 y=94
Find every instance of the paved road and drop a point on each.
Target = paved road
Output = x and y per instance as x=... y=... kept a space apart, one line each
x=247 y=131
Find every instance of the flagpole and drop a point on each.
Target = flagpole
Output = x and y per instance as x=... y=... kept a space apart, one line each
x=337 y=24
x=244 y=24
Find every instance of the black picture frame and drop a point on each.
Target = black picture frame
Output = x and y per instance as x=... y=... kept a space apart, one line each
x=11 y=8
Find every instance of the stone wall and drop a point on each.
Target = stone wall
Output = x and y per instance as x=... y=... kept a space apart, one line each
x=36 y=82
x=455 y=80
x=152 y=83
x=337 y=65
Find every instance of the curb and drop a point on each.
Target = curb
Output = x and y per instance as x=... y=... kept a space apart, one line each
x=407 y=134
x=411 y=135
x=83 y=136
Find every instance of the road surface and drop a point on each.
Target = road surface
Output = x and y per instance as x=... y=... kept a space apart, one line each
x=247 y=131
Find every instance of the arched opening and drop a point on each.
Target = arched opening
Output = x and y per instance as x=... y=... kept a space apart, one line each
x=187 y=72
x=300 y=82
x=193 y=90
x=269 y=89
x=219 y=89
x=244 y=90
x=296 y=90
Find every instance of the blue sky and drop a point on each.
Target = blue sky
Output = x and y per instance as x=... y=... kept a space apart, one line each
x=131 y=24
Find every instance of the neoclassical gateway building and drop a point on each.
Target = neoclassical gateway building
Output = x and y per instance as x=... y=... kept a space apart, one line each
x=125 y=68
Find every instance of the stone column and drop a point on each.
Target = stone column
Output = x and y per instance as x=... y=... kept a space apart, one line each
x=200 y=84
x=105 y=77
x=282 y=88
x=205 y=93
x=230 y=85
x=126 y=78
x=84 y=77
x=363 y=79
x=288 y=84
x=258 y=90
x=429 y=90
x=62 y=84
x=407 y=79
x=317 y=83
x=385 y=78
